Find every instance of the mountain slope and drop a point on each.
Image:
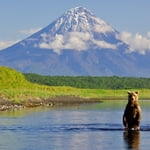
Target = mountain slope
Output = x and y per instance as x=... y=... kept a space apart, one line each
x=77 y=43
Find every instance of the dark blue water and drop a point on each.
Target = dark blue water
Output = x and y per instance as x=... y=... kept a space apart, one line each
x=86 y=127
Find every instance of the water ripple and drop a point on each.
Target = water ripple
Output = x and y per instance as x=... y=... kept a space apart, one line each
x=69 y=128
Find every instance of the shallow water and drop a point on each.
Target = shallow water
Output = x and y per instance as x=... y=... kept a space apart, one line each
x=85 y=127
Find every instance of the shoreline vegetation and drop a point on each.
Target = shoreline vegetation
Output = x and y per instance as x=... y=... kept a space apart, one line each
x=16 y=92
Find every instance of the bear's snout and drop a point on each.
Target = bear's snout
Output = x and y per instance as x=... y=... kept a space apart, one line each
x=131 y=98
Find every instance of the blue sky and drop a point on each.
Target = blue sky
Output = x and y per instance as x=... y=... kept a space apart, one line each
x=20 y=18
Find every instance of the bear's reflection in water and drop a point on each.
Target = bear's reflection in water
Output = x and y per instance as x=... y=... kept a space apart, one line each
x=132 y=139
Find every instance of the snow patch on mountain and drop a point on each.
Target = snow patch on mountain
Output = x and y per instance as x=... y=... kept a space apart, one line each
x=78 y=29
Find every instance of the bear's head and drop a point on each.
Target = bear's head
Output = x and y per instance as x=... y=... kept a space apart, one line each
x=132 y=98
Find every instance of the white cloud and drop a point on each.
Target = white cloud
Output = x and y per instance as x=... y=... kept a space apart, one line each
x=30 y=31
x=148 y=34
x=5 y=44
x=103 y=44
x=136 y=42
x=72 y=40
x=102 y=29
x=101 y=26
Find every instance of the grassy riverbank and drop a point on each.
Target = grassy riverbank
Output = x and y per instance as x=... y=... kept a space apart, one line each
x=15 y=89
x=23 y=94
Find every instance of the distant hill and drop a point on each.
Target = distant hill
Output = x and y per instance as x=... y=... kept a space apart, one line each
x=10 y=78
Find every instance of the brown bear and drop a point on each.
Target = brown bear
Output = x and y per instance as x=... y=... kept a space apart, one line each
x=132 y=113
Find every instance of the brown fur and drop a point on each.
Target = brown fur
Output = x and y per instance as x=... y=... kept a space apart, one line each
x=132 y=113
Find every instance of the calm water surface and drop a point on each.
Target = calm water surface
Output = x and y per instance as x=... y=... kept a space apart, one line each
x=86 y=127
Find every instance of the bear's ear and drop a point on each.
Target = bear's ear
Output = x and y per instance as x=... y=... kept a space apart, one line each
x=137 y=92
x=129 y=92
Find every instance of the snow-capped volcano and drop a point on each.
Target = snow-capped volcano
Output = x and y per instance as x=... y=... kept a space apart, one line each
x=80 y=19
x=77 y=29
x=77 y=43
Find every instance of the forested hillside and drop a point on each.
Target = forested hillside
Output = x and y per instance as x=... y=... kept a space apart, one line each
x=113 y=82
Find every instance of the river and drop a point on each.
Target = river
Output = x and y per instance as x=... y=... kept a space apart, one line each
x=85 y=127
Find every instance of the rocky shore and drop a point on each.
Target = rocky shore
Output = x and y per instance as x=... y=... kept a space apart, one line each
x=47 y=102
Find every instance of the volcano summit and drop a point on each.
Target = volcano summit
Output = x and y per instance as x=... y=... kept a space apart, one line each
x=77 y=43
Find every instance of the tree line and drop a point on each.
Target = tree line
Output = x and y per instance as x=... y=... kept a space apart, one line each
x=112 y=82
